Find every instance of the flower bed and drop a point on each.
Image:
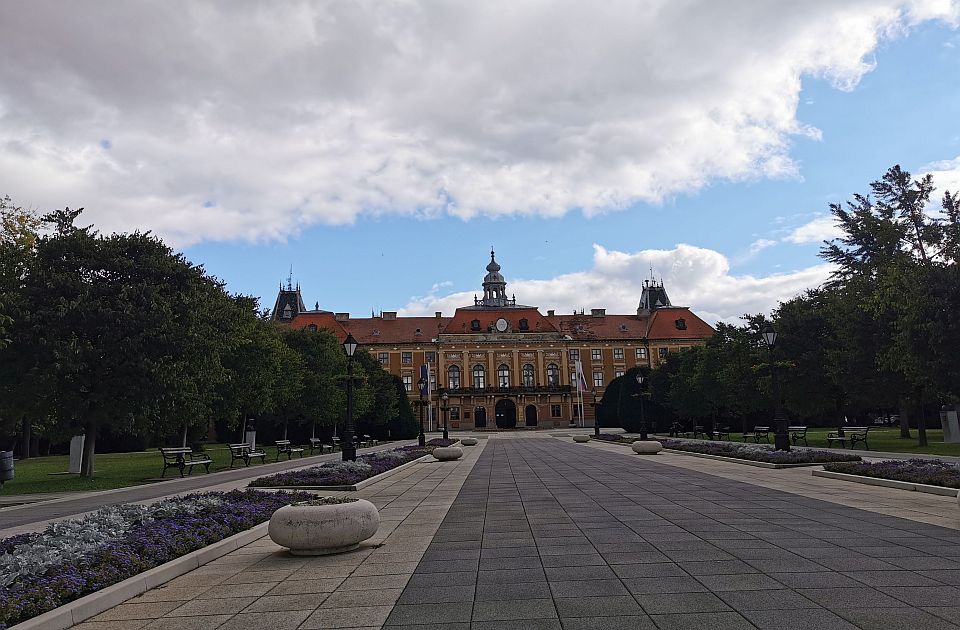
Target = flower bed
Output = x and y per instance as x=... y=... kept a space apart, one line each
x=933 y=472
x=70 y=559
x=758 y=452
x=344 y=473
x=615 y=437
x=441 y=442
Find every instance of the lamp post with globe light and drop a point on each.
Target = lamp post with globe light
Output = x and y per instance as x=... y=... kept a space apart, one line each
x=781 y=438
x=349 y=449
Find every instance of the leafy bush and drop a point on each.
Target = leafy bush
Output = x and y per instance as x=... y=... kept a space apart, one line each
x=84 y=555
x=758 y=452
x=343 y=473
x=934 y=472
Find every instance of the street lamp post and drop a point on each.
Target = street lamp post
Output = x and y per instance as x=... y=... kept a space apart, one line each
x=422 y=440
x=348 y=449
x=596 y=419
x=445 y=397
x=643 y=416
x=781 y=439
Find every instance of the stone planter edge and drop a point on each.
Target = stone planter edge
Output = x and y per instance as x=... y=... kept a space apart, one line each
x=888 y=483
x=357 y=486
x=93 y=604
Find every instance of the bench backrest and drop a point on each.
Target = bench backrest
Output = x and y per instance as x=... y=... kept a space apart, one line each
x=796 y=428
x=283 y=442
x=858 y=429
x=316 y=441
x=176 y=450
x=761 y=429
x=239 y=447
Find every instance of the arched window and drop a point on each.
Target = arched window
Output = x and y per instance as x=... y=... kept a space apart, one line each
x=453 y=377
x=503 y=375
x=553 y=374
x=479 y=377
x=529 y=376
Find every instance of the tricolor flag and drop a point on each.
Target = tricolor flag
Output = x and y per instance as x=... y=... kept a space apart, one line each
x=581 y=379
x=425 y=378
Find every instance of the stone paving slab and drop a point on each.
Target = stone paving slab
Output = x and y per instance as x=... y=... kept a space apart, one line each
x=532 y=532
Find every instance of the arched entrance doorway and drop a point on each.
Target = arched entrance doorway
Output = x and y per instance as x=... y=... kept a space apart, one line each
x=506 y=411
x=480 y=417
x=530 y=414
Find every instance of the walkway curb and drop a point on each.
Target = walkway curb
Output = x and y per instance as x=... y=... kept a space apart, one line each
x=888 y=483
x=352 y=488
x=93 y=604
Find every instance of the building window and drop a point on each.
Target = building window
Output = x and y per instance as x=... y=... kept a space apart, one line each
x=662 y=352
x=408 y=383
x=574 y=354
x=641 y=354
x=453 y=377
x=455 y=414
x=479 y=377
x=595 y=355
x=384 y=358
x=406 y=358
x=431 y=357
x=503 y=376
x=618 y=354
x=618 y=373
x=553 y=374
x=475 y=324
x=680 y=324
x=554 y=411
x=418 y=332
x=433 y=381
x=524 y=324
x=573 y=378
x=576 y=411
x=529 y=376
x=312 y=328
x=598 y=378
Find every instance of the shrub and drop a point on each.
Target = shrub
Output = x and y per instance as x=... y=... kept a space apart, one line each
x=758 y=452
x=343 y=473
x=933 y=472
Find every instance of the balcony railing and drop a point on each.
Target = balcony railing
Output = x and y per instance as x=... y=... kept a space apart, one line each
x=512 y=390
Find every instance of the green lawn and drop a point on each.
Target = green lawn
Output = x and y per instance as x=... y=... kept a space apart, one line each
x=113 y=470
x=883 y=439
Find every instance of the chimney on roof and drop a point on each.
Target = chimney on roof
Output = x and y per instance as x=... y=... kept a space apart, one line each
x=438 y=314
x=341 y=317
x=598 y=312
x=550 y=313
x=389 y=315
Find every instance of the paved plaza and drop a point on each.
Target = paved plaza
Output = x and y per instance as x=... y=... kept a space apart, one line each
x=531 y=531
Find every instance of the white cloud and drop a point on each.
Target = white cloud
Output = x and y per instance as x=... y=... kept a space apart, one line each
x=823 y=228
x=694 y=276
x=206 y=120
x=946 y=176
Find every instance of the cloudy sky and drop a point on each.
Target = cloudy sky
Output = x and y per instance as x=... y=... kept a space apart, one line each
x=380 y=148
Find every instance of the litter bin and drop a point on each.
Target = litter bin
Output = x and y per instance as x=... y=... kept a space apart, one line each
x=950 y=423
x=6 y=466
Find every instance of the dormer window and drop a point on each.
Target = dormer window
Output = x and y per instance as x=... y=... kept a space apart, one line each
x=376 y=332
x=418 y=332
x=312 y=328
x=680 y=324
x=475 y=324
x=524 y=324
x=623 y=328
x=578 y=328
x=287 y=312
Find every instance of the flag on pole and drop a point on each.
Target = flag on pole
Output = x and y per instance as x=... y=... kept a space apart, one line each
x=581 y=379
x=425 y=379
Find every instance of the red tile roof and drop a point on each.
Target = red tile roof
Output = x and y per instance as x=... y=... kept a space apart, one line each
x=371 y=330
x=661 y=324
x=460 y=323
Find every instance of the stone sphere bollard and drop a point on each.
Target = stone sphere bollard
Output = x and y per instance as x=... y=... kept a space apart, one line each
x=469 y=441
x=447 y=453
x=581 y=438
x=324 y=526
x=648 y=447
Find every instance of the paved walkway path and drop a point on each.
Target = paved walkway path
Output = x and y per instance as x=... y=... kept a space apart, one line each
x=34 y=516
x=533 y=532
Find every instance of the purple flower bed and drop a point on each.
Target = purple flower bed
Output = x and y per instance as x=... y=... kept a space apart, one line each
x=614 y=437
x=145 y=545
x=758 y=452
x=344 y=473
x=933 y=472
x=441 y=442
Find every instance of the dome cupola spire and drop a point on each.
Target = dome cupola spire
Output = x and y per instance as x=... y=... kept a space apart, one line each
x=494 y=286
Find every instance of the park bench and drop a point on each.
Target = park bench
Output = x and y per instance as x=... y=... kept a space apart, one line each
x=720 y=433
x=285 y=446
x=369 y=441
x=244 y=452
x=798 y=433
x=181 y=457
x=699 y=430
x=854 y=434
x=676 y=429
x=336 y=443
x=317 y=444
x=758 y=433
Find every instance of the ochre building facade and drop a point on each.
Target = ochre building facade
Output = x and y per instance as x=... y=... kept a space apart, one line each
x=505 y=365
